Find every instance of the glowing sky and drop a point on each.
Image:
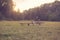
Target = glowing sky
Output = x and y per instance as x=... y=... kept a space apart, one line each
x=27 y=4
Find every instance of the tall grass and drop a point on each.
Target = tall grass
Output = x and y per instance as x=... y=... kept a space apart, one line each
x=13 y=30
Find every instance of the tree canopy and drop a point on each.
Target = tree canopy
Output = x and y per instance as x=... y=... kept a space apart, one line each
x=46 y=12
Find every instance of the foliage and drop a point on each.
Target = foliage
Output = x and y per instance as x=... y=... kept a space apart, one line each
x=46 y=12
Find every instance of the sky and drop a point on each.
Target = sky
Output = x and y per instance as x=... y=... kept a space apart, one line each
x=27 y=4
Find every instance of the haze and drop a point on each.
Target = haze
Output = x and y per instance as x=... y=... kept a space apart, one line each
x=27 y=4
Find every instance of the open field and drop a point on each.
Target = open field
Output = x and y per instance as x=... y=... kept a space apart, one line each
x=13 y=30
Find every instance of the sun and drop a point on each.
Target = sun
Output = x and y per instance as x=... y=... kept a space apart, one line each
x=27 y=4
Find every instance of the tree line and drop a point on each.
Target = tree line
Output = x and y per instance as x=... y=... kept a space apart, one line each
x=46 y=12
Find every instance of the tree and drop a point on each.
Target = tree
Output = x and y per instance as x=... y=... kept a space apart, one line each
x=6 y=7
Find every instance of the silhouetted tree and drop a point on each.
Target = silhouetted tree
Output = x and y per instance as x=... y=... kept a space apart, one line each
x=6 y=7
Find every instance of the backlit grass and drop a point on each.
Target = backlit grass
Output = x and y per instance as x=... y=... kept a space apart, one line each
x=13 y=30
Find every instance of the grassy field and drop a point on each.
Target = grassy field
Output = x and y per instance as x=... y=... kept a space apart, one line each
x=13 y=30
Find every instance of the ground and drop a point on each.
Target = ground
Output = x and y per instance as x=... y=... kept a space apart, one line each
x=13 y=30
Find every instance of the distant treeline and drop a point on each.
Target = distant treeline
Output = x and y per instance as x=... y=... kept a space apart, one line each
x=46 y=12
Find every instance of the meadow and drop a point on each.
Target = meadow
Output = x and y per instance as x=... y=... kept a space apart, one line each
x=13 y=30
